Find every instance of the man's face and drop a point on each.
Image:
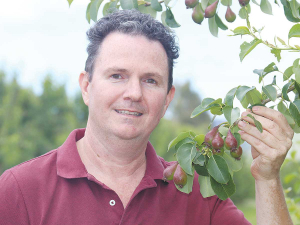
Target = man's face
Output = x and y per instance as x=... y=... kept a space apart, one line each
x=128 y=93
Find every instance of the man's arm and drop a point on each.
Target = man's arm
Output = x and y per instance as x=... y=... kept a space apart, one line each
x=269 y=150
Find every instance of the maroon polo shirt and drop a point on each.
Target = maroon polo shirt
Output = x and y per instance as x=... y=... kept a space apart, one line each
x=55 y=188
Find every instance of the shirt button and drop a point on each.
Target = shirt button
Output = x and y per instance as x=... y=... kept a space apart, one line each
x=112 y=202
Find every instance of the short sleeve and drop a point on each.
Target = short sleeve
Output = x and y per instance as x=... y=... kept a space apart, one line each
x=226 y=213
x=12 y=205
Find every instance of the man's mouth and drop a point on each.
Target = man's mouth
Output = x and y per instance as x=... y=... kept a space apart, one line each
x=125 y=112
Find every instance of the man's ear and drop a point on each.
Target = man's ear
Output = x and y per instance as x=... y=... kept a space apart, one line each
x=84 y=83
x=169 y=98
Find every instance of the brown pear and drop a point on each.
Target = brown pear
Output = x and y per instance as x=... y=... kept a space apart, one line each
x=210 y=135
x=217 y=143
x=237 y=153
x=180 y=177
x=169 y=172
x=211 y=10
x=230 y=141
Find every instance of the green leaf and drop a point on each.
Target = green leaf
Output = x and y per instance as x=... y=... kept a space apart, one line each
x=218 y=169
x=289 y=15
x=205 y=186
x=288 y=73
x=223 y=130
x=184 y=141
x=276 y=53
x=199 y=159
x=199 y=139
x=207 y=104
x=170 y=20
x=231 y=114
x=178 y=139
x=266 y=7
x=217 y=110
x=246 y=48
x=156 y=5
x=256 y=123
x=129 y=4
x=274 y=80
x=296 y=70
x=243 y=13
x=294 y=5
x=213 y=27
x=233 y=164
x=201 y=170
x=163 y=18
x=88 y=17
x=70 y=2
x=167 y=2
x=241 y=30
x=270 y=91
x=237 y=136
x=223 y=191
x=285 y=91
x=294 y=31
x=228 y=101
x=220 y=24
x=295 y=111
x=254 y=97
x=189 y=185
x=242 y=91
x=226 y=2
x=281 y=41
x=185 y=157
x=255 y=2
x=94 y=8
x=147 y=10
x=204 y=4
x=262 y=73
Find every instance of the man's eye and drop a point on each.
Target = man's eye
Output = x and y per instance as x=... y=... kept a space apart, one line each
x=151 y=81
x=116 y=76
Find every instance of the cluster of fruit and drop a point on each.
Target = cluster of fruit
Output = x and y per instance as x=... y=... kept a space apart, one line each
x=215 y=142
x=199 y=14
x=213 y=145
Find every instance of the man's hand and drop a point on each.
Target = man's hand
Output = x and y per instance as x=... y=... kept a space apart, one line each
x=269 y=150
x=270 y=147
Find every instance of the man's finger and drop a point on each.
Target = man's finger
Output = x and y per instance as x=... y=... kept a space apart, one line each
x=276 y=116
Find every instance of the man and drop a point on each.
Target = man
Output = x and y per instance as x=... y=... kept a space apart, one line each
x=109 y=173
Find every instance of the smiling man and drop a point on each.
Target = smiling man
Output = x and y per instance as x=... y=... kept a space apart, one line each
x=109 y=173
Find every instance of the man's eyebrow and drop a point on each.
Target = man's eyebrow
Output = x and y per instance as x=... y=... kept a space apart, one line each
x=115 y=69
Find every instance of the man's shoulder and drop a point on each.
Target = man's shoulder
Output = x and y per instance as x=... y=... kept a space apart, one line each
x=34 y=169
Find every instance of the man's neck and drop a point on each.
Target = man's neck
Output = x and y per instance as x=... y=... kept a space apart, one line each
x=107 y=158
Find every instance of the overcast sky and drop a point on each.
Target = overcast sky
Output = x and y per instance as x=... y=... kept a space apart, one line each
x=41 y=37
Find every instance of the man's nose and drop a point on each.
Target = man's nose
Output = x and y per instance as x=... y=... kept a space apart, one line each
x=133 y=91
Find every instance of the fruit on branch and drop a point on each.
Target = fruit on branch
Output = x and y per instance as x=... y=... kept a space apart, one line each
x=230 y=141
x=244 y=2
x=237 y=153
x=169 y=172
x=210 y=10
x=230 y=15
x=218 y=142
x=180 y=177
x=198 y=14
x=191 y=3
x=210 y=135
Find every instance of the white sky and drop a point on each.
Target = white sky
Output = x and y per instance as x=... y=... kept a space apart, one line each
x=40 y=37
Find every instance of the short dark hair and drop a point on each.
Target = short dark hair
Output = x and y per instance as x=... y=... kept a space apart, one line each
x=131 y=22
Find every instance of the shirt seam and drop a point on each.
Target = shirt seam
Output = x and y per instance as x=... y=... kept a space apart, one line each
x=22 y=195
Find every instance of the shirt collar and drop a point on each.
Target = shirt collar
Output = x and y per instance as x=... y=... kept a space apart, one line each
x=69 y=164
